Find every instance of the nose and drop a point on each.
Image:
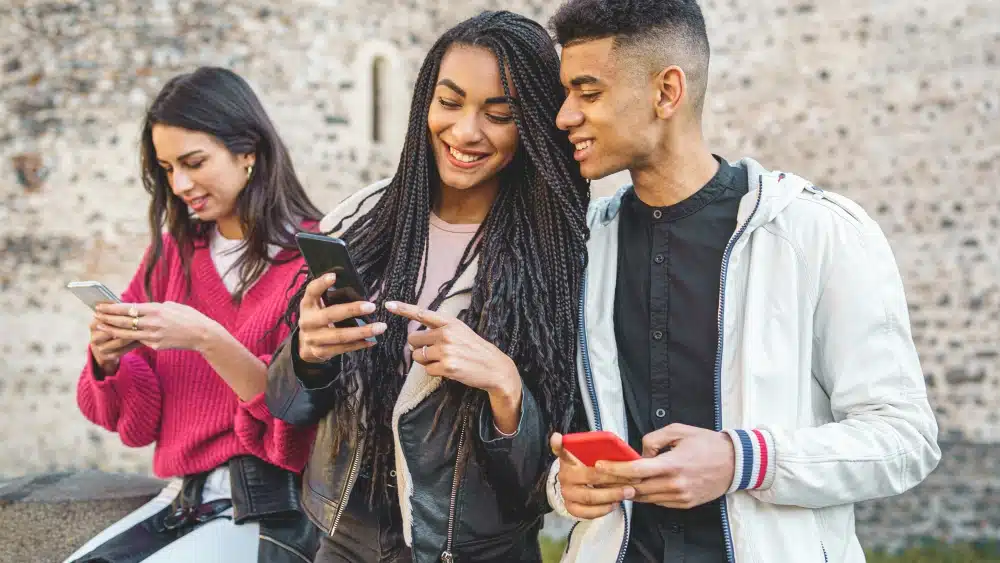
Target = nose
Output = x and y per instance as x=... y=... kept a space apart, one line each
x=569 y=116
x=180 y=182
x=467 y=130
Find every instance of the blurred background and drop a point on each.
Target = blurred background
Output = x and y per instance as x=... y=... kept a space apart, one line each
x=895 y=104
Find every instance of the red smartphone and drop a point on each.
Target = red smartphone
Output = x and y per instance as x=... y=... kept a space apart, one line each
x=591 y=447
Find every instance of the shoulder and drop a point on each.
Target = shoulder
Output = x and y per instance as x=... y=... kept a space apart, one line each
x=603 y=209
x=826 y=228
x=355 y=205
x=818 y=212
x=166 y=255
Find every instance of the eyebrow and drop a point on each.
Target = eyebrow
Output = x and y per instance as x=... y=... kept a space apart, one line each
x=584 y=80
x=489 y=101
x=447 y=82
x=185 y=155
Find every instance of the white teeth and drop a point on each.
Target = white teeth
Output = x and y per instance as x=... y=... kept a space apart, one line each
x=462 y=157
x=584 y=145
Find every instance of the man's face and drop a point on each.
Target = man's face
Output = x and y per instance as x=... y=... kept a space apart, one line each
x=609 y=109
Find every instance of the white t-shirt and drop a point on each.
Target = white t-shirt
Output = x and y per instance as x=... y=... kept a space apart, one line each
x=225 y=253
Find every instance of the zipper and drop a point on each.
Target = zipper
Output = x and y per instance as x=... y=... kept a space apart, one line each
x=286 y=547
x=351 y=477
x=447 y=556
x=825 y=558
x=585 y=352
x=589 y=375
x=726 y=532
x=569 y=538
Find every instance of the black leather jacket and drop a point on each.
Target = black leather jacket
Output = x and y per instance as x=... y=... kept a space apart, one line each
x=485 y=527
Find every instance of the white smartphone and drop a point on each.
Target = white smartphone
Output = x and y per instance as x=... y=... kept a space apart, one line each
x=93 y=293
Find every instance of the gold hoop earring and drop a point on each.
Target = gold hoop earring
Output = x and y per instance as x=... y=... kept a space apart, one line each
x=249 y=172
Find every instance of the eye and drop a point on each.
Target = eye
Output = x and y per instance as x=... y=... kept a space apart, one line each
x=590 y=96
x=195 y=165
x=448 y=103
x=500 y=118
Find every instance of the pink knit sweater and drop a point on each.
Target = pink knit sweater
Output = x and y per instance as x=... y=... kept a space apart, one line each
x=175 y=399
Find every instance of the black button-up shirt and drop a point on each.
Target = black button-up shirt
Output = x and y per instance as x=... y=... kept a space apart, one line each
x=666 y=326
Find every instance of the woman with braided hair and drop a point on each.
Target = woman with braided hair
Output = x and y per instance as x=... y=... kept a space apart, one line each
x=433 y=418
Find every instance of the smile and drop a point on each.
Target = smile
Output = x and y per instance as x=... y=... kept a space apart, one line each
x=198 y=203
x=463 y=159
x=582 y=149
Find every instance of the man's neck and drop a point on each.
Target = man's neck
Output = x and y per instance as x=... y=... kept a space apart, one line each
x=674 y=174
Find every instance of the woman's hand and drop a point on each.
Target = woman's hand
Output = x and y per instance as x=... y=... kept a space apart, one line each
x=450 y=349
x=106 y=349
x=161 y=326
x=319 y=339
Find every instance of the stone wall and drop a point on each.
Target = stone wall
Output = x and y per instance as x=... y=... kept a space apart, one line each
x=892 y=103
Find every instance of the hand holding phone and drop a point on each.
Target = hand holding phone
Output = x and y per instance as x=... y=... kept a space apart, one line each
x=591 y=447
x=334 y=313
x=106 y=350
x=586 y=492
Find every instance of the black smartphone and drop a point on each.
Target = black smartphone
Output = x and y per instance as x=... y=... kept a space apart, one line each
x=326 y=255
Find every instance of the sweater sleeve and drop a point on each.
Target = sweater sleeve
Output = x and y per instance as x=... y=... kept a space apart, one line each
x=127 y=401
x=268 y=437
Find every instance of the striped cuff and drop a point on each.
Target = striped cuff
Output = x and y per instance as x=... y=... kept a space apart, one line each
x=754 y=459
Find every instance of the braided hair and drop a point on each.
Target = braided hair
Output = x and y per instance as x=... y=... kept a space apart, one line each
x=531 y=246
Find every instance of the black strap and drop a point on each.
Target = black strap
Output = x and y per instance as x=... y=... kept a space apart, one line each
x=183 y=515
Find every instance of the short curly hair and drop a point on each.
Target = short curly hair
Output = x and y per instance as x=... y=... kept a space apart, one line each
x=661 y=32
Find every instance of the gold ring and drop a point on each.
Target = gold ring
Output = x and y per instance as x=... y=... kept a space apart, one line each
x=133 y=311
x=135 y=323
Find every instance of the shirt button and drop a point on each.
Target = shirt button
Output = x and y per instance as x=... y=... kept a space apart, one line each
x=658 y=259
x=657 y=335
x=657 y=214
x=675 y=528
x=660 y=413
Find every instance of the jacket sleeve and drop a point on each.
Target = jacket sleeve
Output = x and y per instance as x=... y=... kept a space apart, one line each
x=883 y=440
x=298 y=392
x=517 y=463
x=554 y=495
x=127 y=401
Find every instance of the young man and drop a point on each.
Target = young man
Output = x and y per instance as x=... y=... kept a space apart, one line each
x=743 y=329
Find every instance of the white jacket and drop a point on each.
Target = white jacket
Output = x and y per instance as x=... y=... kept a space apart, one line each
x=816 y=362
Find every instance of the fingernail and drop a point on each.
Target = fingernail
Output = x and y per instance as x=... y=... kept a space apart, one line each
x=391 y=305
x=629 y=493
x=378 y=328
x=599 y=466
x=330 y=277
x=101 y=327
x=368 y=308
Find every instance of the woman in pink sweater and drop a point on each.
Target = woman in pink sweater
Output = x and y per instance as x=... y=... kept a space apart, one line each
x=182 y=362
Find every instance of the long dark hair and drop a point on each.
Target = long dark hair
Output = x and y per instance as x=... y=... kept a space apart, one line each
x=531 y=246
x=271 y=207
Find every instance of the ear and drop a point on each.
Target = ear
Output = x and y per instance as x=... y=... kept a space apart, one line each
x=248 y=159
x=671 y=88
